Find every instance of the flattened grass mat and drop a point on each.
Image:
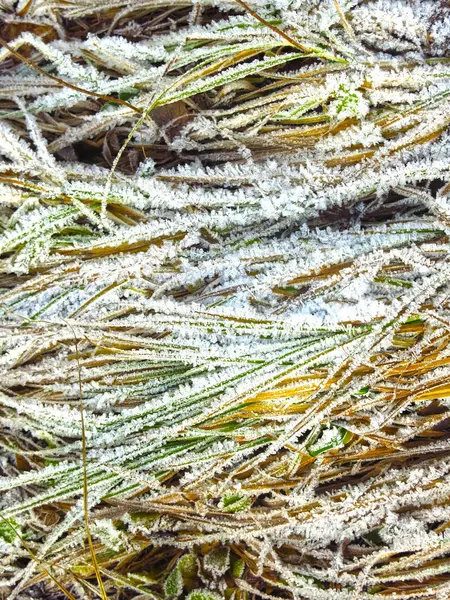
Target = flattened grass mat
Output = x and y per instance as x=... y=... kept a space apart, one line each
x=224 y=300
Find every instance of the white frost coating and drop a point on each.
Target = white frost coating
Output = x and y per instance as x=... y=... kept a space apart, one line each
x=260 y=325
